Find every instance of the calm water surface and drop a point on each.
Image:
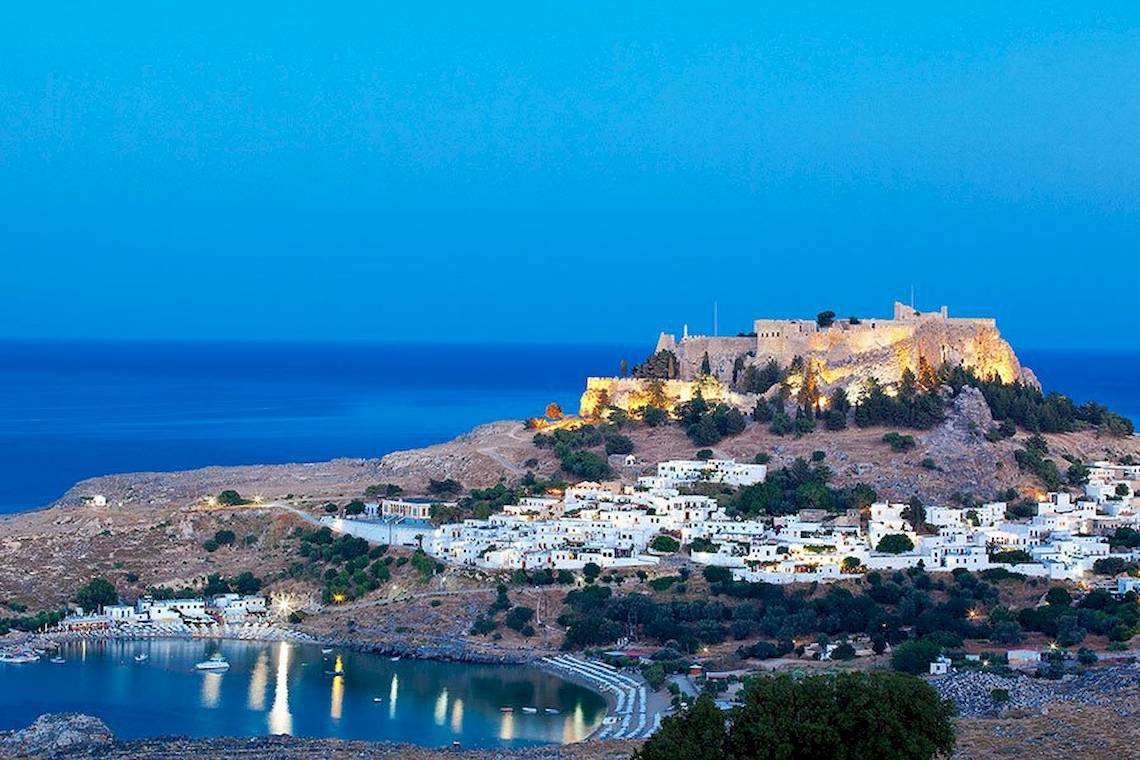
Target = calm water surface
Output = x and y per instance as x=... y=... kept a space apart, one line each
x=282 y=688
x=73 y=410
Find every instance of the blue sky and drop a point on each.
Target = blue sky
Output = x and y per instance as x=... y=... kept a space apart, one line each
x=569 y=172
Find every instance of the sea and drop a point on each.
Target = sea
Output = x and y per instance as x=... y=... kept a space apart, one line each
x=73 y=410
x=286 y=688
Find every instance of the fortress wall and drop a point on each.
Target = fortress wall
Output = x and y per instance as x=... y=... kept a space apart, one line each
x=634 y=394
x=722 y=355
x=846 y=354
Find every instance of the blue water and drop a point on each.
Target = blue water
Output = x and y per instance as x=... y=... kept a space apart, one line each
x=283 y=688
x=74 y=410
x=1111 y=378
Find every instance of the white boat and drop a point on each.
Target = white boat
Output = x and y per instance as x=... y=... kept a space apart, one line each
x=394 y=659
x=327 y=650
x=551 y=711
x=530 y=710
x=141 y=657
x=57 y=660
x=216 y=662
x=505 y=709
x=378 y=699
x=18 y=656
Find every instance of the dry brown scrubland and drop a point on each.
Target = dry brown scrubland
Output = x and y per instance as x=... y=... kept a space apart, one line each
x=155 y=523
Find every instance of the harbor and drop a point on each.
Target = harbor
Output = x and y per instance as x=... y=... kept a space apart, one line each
x=204 y=688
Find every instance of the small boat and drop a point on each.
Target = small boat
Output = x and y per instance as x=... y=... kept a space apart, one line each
x=326 y=650
x=334 y=672
x=551 y=711
x=378 y=699
x=506 y=709
x=216 y=662
x=18 y=656
x=57 y=660
x=394 y=659
x=530 y=710
x=141 y=657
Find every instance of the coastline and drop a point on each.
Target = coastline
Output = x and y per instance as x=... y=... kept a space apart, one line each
x=588 y=674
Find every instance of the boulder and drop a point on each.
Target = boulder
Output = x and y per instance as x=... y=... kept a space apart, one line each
x=59 y=735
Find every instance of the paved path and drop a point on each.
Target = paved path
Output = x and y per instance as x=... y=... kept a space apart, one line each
x=508 y=465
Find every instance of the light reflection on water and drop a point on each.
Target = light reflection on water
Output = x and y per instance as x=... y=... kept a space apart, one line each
x=211 y=690
x=280 y=719
x=393 y=692
x=258 y=680
x=337 y=704
x=284 y=688
x=457 y=717
x=441 y=707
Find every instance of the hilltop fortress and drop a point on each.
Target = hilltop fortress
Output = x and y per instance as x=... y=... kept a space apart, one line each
x=844 y=352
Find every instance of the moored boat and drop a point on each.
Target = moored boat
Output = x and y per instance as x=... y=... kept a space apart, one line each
x=18 y=655
x=215 y=662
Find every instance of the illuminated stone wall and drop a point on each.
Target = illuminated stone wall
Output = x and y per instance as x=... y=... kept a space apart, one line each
x=846 y=354
x=633 y=394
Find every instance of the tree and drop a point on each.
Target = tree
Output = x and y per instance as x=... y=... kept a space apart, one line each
x=825 y=318
x=895 y=543
x=704 y=455
x=98 y=593
x=899 y=442
x=586 y=464
x=1077 y=474
x=695 y=734
x=230 y=498
x=354 y=507
x=1111 y=566
x=225 y=538
x=1006 y=632
x=665 y=544
x=246 y=583
x=849 y=715
x=390 y=490
x=590 y=571
x=914 y=512
x=1058 y=596
x=616 y=443
x=553 y=411
x=914 y=656
x=654 y=416
x=706 y=368
x=446 y=486
x=518 y=618
x=704 y=432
